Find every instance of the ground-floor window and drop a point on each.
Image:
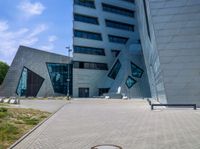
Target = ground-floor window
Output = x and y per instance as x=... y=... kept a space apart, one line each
x=83 y=92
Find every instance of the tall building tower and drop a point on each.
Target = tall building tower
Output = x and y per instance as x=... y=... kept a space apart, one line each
x=107 y=50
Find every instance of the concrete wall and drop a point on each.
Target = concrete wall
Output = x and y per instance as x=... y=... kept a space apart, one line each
x=35 y=60
x=176 y=28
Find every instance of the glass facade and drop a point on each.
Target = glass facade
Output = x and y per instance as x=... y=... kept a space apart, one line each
x=117 y=10
x=86 y=3
x=130 y=82
x=29 y=83
x=86 y=19
x=115 y=69
x=90 y=65
x=119 y=25
x=87 y=35
x=61 y=77
x=136 y=71
x=89 y=50
x=117 y=39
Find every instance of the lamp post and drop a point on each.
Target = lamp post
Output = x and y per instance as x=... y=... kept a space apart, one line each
x=68 y=79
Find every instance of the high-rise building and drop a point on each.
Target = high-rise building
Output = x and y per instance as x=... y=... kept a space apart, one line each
x=107 y=50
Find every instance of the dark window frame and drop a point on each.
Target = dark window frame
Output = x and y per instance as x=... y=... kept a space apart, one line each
x=27 y=76
x=87 y=34
x=142 y=71
x=89 y=50
x=95 y=19
x=71 y=78
x=112 y=74
x=91 y=3
x=129 y=77
x=123 y=41
x=118 y=10
x=119 y=25
x=92 y=65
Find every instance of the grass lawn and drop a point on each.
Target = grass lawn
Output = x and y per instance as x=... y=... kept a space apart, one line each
x=14 y=123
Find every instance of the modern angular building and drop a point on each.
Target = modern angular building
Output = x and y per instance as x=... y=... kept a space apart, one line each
x=132 y=48
x=38 y=73
x=107 y=50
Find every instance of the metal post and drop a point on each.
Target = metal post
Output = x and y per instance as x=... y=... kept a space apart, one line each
x=68 y=66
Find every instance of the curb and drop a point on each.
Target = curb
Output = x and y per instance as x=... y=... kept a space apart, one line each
x=34 y=128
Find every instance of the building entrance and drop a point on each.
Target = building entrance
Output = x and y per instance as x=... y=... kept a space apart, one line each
x=83 y=92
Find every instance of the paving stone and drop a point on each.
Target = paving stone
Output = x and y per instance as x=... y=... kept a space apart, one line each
x=82 y=124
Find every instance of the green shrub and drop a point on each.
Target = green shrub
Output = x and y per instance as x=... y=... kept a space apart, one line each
x=2 y=109
x=7 y=131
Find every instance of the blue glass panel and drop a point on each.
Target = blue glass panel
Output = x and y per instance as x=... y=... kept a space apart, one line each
x=136 y=71
x=115 y=69
x=29 y=83
x=59 y=74
x=22 y=86
x=130 y=82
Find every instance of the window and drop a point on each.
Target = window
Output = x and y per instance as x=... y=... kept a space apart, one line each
x=117 y=10
x=89 y=50
x=87 y=35
x=59 y=74
x=136 y=71
x=86 y=3
x=119 y=25
x=85 y=19
x=130 y=82
x=90 y=65
x=130 y=1
x=29 y=83
x=147 y=19
x=115 y=69
x=115 y=53
x=103 y=91
x=117 y=39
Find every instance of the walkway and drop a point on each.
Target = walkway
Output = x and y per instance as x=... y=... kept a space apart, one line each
x=129 y=124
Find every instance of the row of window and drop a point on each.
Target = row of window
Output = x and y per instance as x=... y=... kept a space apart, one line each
x=87 y=35
x=89 y=50
x=119 y=25
x=90 y=65
x=86 y=3
x=97 y=36
x=109 y=23
x=86 y=19
x=117 y=10
x=107 y=7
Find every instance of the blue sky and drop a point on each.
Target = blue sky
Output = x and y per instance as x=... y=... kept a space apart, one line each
x=42 y=24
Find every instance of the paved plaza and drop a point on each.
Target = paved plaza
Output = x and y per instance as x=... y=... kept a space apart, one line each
x=130 y=124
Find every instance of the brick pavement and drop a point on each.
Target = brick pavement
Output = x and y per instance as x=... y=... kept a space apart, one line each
x=130 y=124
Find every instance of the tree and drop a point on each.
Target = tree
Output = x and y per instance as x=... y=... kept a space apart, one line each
x=3 y=70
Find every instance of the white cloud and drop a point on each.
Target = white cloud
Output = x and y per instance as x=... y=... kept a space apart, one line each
x=31 y=9
x=50 y=43
x=10 y=40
